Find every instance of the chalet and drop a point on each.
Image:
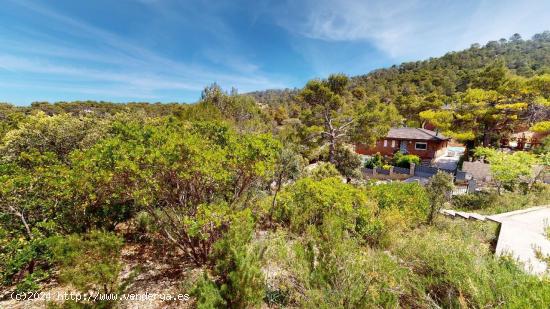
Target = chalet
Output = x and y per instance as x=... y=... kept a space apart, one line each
x=426 y=144
x=523 y=140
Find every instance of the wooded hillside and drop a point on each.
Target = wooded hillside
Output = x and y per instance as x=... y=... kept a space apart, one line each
x=237 y=204
x=444 y=75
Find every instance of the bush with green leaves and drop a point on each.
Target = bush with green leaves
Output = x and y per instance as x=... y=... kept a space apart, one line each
x=192 y=178
x=346 y=161
x=236 y=280
x=510 y=170
x=289 y=167
x=323 y=170
x=207 y=294
x=449 y=264
x=404 y=160
x=490 y=202
x=402 y=205
x=544 y=147
x=337 y=272
x=144 y=222
x=24 y=263
x=10 y=116
x=31 y=199
x=455 y=270
x=58 y=135
x=308 y=202
x=439 y=190
x=474 y=201
x=88 y=262
x=375 y=161
x=241 y=110
x=329 y=268
x=541 y=127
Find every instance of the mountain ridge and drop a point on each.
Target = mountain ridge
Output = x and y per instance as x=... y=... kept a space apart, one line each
x=443 y=75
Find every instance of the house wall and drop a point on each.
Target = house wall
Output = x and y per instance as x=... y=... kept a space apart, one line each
x=435 y=148
x=441 y=149
x=378 y=148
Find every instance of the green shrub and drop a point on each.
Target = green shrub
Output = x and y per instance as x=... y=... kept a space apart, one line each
x=31 y=281
x=455 y=270
x=492 y=203
x=208 y=294
x=510 y=171
x=24 y=263
x=89 y=262
x=401 y=204
x=439 y=190
x=478 y=200
x=449 y=265
x=347 y=162
x=57 y=135
x=326 y=268
x=144 y=222
x=198 y=175
x=344 y=274
x=402 y=160
x=237 y=280
x=324 y=170
x=308 y=202
x=375 y=161
x=445 y=265
x=544 y=146
x=276 y=297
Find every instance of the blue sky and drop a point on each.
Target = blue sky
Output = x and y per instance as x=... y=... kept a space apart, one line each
x=168 y=50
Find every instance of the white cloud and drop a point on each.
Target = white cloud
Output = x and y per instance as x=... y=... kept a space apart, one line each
x=107 y=91
x=492 y=20
x=410 y=29
x=109 y=58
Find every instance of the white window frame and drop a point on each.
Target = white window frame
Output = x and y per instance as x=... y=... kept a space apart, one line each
x=416 y=145
x=392 y=143
x=385 y=143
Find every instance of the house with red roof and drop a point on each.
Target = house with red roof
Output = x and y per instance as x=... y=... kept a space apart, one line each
x=426 y=144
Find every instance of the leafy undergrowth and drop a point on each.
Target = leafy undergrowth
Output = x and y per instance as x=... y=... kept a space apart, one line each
x=449 y=264
x=172 y=207
x=493 y=203
x=146 y=268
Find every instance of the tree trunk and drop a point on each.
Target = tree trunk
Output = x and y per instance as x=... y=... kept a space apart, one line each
x=488 y=133
x=331 y=138
x=22 y=217
x=332 y=150
x=279 y=184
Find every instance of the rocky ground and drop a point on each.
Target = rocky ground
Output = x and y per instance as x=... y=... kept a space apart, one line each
x=153 y=282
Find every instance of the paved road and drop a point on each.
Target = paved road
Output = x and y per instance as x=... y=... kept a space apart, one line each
x=447 y=163
x=521 y=232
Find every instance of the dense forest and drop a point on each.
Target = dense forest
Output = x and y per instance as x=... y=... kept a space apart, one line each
x=257 y=200
x=445 y=75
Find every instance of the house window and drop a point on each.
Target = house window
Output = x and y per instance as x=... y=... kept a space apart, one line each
x=392 y=143
x=420 y=146
x=385 y=143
